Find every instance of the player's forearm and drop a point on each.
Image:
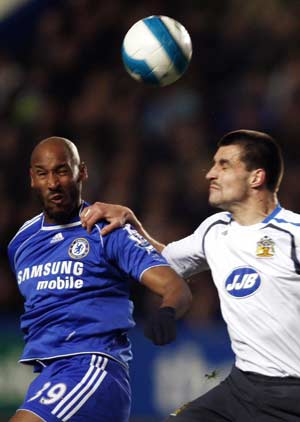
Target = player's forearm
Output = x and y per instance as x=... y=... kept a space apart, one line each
x=129 y=217
x=139 y=227
x=173 y=290
x=178 y=298
x=160 y=326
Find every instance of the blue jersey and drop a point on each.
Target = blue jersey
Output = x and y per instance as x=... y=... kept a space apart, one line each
x=76 y=287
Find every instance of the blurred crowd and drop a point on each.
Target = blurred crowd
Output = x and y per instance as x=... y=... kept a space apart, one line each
x=147 y=148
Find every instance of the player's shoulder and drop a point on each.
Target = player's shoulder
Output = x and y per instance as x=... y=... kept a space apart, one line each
x=217 y=219
x=126 y=231
x=113 y=238
x=222 y=217
x=123 y=237
x=287 y=219
x=29 y=228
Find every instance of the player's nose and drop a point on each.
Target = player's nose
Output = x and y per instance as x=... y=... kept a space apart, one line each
x=211 y=174
x=52 y=181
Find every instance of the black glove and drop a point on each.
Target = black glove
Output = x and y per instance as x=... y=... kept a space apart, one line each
x=161 y=326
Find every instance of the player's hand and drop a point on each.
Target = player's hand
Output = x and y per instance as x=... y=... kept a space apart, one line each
x=161 y=326
x=116 y=215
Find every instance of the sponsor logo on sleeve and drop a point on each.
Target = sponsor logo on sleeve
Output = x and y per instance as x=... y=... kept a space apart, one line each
x=138 y=239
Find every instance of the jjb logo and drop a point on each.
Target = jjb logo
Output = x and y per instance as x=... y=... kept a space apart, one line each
x=242 y=282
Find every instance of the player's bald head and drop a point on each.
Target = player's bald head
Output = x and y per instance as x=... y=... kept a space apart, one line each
x=55 y=145
x=56 y=175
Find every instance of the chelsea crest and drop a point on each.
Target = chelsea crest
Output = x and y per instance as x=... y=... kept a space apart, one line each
x=79 y=248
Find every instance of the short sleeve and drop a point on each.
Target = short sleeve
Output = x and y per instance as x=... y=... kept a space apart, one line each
x=131 y=252
x=186 y=256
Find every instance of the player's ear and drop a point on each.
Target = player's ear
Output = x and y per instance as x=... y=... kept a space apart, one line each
x=258 y=178
x=83 y=173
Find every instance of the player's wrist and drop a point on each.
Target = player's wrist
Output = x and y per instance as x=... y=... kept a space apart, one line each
x=168 y=310
x=161 y=326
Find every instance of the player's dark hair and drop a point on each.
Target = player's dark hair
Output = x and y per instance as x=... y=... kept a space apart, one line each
x=259 y=151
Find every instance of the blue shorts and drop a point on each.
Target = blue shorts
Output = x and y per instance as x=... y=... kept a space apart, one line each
x=81 y=388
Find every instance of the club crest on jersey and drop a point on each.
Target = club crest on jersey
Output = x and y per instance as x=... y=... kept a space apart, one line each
x=242 y=282
x=79 y=248
x=265 y=248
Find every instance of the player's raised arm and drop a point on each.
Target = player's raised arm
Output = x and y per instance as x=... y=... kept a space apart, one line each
x=176 y=299
x=117 y=216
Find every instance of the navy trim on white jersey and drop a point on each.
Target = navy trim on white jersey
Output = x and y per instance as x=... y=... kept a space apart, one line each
x=263 y=323
x=225 y=223
x=293 y=246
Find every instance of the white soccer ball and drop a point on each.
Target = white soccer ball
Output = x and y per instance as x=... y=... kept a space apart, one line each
x=157 y=50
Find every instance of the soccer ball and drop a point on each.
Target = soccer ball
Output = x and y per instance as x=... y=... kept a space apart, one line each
x=157 y=50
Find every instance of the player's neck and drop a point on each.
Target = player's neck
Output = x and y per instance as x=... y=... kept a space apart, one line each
x=64 y=217
x=254 y=211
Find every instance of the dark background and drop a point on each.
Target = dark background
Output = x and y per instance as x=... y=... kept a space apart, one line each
x=148 y=148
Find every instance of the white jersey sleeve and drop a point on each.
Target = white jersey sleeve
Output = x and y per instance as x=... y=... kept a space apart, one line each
x=187 y=256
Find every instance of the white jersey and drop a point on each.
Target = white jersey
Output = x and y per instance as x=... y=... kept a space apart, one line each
x=256 y=270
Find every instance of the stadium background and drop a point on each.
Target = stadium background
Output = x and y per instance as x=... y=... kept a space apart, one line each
x=61 y=74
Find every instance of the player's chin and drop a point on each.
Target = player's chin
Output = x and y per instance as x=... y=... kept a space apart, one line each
x=58 y=213
x=215 y=202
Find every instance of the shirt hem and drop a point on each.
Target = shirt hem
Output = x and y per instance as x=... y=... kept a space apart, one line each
x=152 y=266
x=38 y=359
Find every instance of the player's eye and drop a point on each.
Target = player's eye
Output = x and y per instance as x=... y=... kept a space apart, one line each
x=62 y=172
x=224 y=165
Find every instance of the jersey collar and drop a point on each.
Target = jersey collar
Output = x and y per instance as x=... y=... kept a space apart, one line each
x=75 y=221
x=264 y=221
x=272 y=215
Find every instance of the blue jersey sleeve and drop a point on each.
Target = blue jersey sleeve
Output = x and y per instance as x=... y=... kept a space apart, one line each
x=131 y=252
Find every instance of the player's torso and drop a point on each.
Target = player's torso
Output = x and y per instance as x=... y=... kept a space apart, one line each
x=249 y=261
x=61 y=263
x=257 y=274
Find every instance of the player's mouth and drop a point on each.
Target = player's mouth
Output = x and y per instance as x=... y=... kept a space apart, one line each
x=213 y=187
x=56 y=198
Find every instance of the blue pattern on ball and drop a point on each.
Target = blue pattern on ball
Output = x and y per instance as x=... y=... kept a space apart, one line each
x=163 y=35
x=139 y=67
